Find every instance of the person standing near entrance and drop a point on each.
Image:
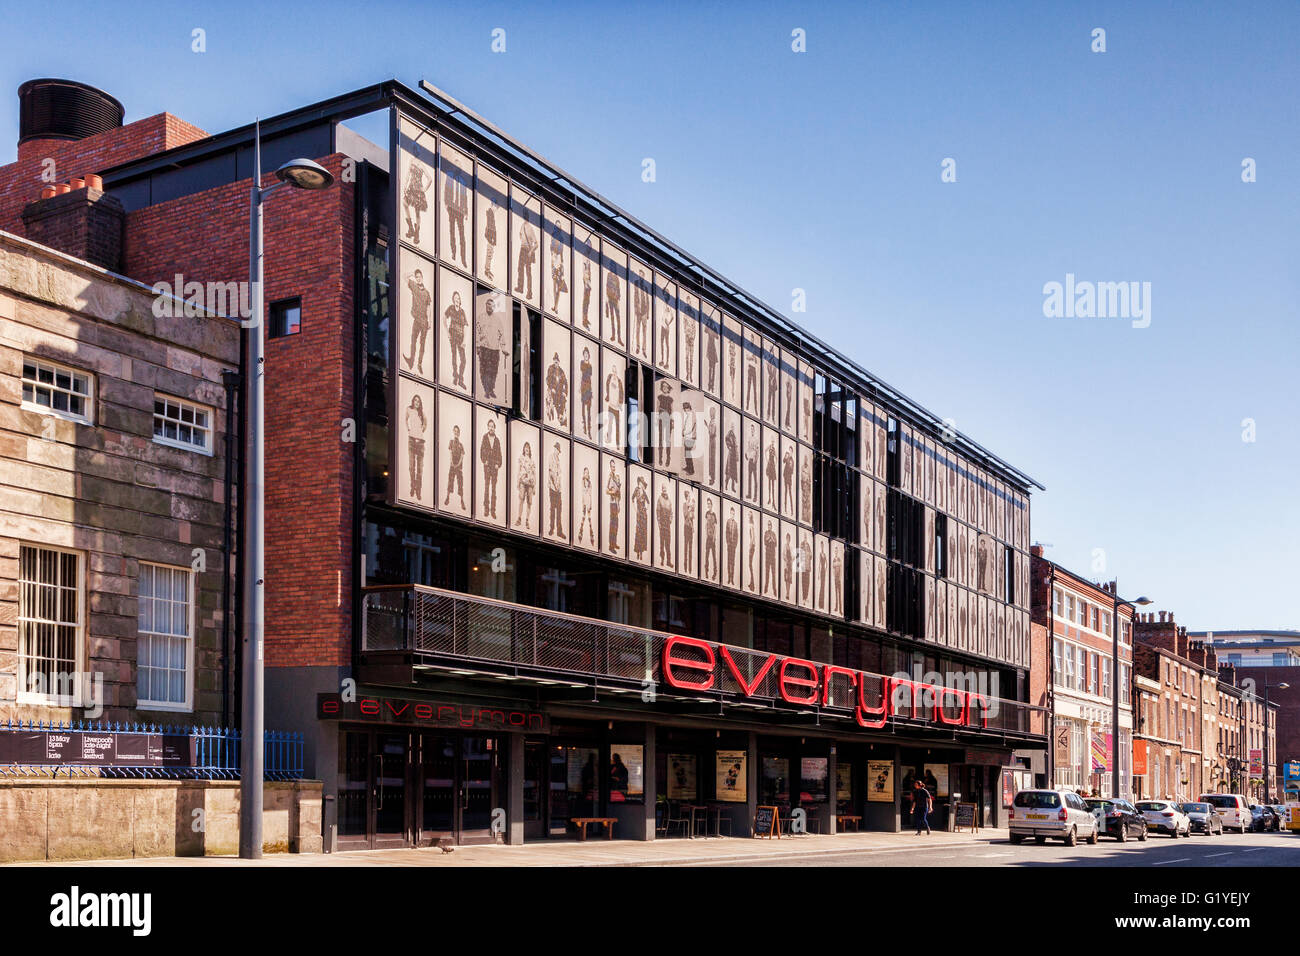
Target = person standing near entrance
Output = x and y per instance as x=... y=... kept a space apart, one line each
x=922 y=803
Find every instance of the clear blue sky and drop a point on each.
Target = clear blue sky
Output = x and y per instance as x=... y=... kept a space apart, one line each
x=821 y=171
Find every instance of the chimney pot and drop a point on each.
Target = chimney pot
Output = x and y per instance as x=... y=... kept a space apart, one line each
x=77 y=183
x=95 y=181
x=47 y=192
x=61 y=188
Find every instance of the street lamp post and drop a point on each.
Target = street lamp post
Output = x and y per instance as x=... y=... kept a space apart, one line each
x=1115 y=676
x=300 y=174
x=1268 y=775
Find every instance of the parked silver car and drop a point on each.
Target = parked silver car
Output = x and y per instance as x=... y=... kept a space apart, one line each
x=1058 y=814
x=1204 y=819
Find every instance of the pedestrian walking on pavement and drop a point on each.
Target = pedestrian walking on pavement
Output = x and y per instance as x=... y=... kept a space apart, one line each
x=922 y=804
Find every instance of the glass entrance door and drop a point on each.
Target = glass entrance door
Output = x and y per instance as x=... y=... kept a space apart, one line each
x=391 y=758
x=374 y=784
x=460 y=787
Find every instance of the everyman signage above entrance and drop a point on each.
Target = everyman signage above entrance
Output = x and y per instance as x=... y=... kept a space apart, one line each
x=451 y=714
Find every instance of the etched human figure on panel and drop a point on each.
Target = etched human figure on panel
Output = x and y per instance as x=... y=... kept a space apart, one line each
x=421 y=302
x=665 y=422
x=557 y=393
x=455 y=469
x=489 y=454
x=584 y=523
x=585 y=372
x=528 y=245
x=711 y=568
x=787 y=481
x=641 y=505
x=455 y=196
x=733 y=542
x=731 y=461
x=416 y=425
x=770 y=559
x=526 y=484
x=457 y=322
x=641 y=314
x=556 y=480
x=664 y=519
x=614 y=492
x=490 y=239
x=559 y=269
x=415 y=198
x=688 y=531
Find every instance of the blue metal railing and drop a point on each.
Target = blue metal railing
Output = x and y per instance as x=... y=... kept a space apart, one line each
x=107 y=749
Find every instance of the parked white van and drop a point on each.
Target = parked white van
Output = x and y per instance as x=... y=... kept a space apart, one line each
x=1233 y=810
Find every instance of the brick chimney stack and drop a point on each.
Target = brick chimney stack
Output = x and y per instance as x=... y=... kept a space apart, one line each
x=81 y=221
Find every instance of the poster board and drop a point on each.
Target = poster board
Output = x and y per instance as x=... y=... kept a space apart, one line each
x=880 y=781
x=732 y=783
x=965 y=817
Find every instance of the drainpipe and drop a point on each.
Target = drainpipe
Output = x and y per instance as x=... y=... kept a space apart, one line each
x=1051 y=676
x=230 y=381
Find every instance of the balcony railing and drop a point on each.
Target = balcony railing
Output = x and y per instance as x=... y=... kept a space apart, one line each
x=464 y=630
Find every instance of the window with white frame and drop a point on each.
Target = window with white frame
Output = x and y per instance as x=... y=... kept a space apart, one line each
x=182 y=424
x=1069 y=667
x=1105 y=678
x=1060 y=602
x=51 y=626
x=165 y=647
x=1081 y=668
x=58 y=390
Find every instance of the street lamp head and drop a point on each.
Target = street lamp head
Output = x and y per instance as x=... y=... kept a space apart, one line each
x=1144 y=600
x=305 y=174
x=1282 y=686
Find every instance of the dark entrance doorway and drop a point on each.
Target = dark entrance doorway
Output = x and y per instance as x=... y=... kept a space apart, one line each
x=411 y=788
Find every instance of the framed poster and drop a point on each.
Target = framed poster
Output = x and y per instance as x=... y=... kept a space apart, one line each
x=821 y=573
x=557 y=487
x=665 y=522
x=526 y=246
x=732 y=783
x=814 y=772
x=936 y=778
x=804 y=569
x=489 y=466
x=455 y=337
x=586 y=280
x=710 y=537
x=454 y=431
x=682 y=777
x=789 y=545
x=733 y=369
x=640 y=507
x=525 y=454
x=689 y=340
x=415 y=317
x=413 y=466
x=456 y=177
x=789 y=479
x=626 y=772
x=586 y=410
x=843 y=783
x=752 y=386
x=688 y=537
x=665 y=326
x=613 y=514
x=493 y=337
x=880 y=781
x=556 y=352
x=613 y=295
x=416 y=161
x=641 y=287
x=613 y=401
x=752 y=545
x=491 y=228
x=733 y=553
x=557 y=245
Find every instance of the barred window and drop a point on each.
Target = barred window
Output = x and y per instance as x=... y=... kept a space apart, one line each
x=182 y=424
x=57 y=389
x=164 y=650
x=50 y=625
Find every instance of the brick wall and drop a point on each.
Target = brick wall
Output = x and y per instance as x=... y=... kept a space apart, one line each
x=21 y=181
x=309 y=252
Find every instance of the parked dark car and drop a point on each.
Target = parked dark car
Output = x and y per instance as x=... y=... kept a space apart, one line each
x=1119 y=819
x=1262 y=819
x=1204 y=818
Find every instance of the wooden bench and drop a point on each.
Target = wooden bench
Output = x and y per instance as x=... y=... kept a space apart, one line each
x=841 y=819
x=583 y=822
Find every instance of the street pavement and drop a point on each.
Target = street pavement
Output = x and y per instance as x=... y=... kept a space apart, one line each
x=989 y=847
x=1158 y=852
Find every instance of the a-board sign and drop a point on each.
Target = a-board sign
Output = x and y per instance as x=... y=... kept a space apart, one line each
x=767 y=822
x=965 y=816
